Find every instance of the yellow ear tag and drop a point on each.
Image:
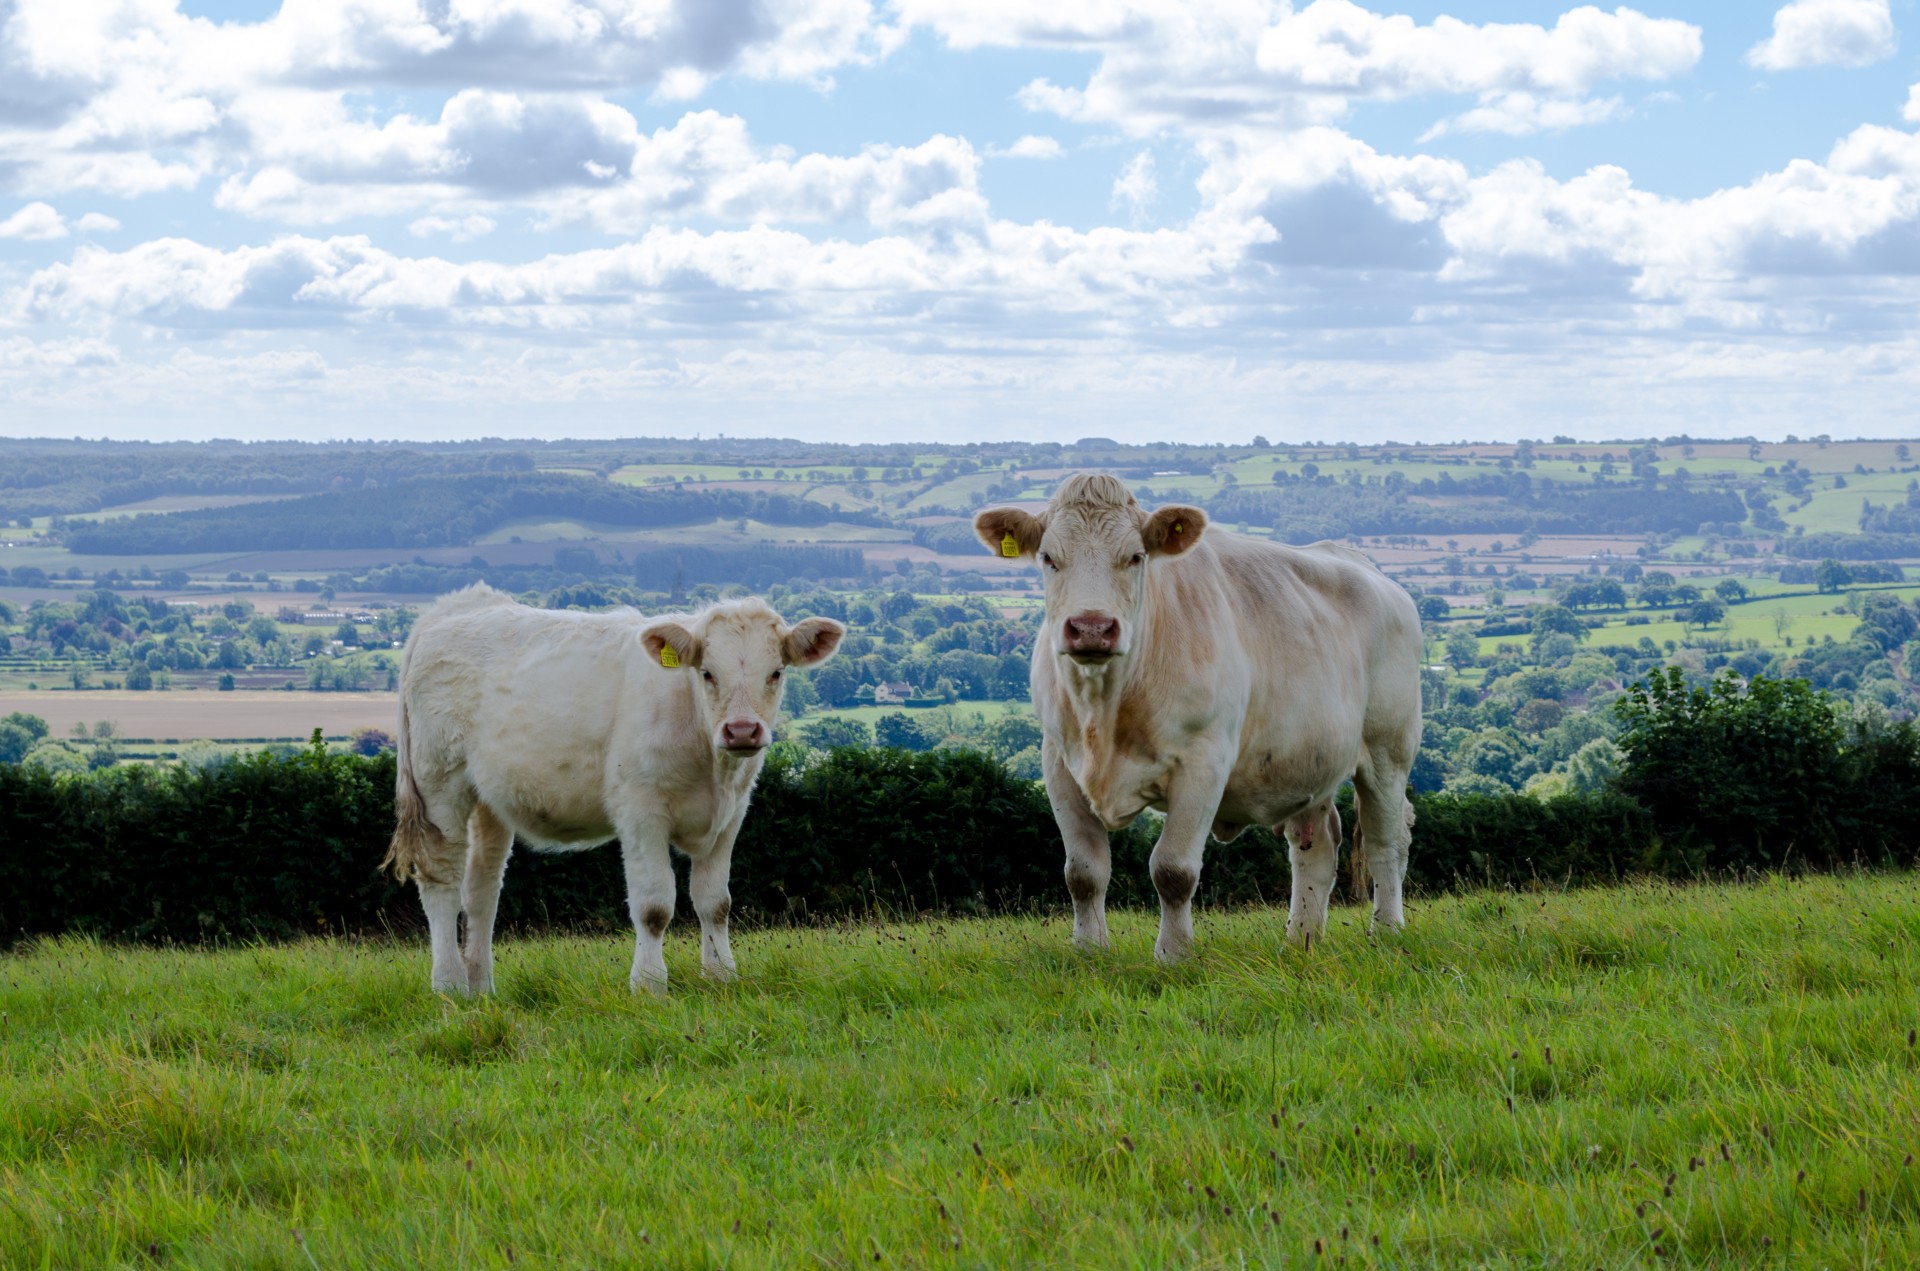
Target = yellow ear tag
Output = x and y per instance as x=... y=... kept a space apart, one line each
x=1008 y=547
x=1179 y=527
x=668 y=657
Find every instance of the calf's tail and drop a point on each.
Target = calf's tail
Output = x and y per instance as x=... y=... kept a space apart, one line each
x=418 y=845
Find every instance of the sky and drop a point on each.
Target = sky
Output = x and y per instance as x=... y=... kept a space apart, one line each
x=958 y=220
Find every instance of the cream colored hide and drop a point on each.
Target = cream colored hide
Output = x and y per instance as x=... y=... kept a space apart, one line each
x=567 y=729
x=1223 y=680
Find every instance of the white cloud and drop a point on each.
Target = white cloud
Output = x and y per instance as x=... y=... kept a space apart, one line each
x=1030 y=147
x=1827 y=33
x=1335 y=45
x=1518 y=114
x=35 y=223
x=97 y=223
x=1221 y=64
x=1912 y=111
x=1136 y=188
x=461 y=229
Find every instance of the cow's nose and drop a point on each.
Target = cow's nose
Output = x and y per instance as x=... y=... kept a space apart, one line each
x=743 y=734
x=1092 y=633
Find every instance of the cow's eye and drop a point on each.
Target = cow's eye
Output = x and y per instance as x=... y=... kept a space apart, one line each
x=1138 y=557
x=707 y=676
x=774 y=678
x=1047 y=561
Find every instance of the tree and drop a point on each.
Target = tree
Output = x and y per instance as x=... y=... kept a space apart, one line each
x=1594 y=766
x=1012 y=733
x=1433 y=608
x=1831 y=576
x=1463 y=650
x=902 y=732
x=1557 y=620
x=369 y=741
x=897 y=606
x=1730 y=590
x=1701 y=613
x=834 y=733
x=15 y=742
x=139 y=677
x=1735 y=775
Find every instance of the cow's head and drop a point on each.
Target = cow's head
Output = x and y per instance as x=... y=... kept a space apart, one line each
x=1094 y=544
x=738 y=653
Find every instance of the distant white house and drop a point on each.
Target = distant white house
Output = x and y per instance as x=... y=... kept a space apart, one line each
x=884 y=694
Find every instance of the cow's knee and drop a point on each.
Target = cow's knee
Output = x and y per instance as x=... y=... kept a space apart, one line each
x=1175 y=883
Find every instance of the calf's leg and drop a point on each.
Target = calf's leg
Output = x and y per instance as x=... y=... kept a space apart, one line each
x=713 y=901
x=1089 y=859
x=650 y=893
x=442 y=904
x=489 y=843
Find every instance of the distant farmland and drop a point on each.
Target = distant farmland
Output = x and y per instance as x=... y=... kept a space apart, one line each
x=236 y=716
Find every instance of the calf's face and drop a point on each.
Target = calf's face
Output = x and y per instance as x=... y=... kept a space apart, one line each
x=740 y=658
x=1094 y=561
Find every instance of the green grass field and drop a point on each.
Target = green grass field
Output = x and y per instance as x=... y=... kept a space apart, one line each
x=1711 y=1077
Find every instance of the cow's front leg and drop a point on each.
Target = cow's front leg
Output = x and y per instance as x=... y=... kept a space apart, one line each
x=714 y=903
x=1089 y=859
x=650 y=892
x=1176 y=858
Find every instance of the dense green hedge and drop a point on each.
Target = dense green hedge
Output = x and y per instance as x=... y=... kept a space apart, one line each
x=278 y=846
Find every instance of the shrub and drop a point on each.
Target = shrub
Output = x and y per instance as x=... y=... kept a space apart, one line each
x=1759 y=775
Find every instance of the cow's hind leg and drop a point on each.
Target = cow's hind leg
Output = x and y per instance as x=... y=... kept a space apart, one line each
x=1380 y=797
x=489 y=843
x=1089 y=858
x=439 y=871
x=650 y=895
x=1313 y=850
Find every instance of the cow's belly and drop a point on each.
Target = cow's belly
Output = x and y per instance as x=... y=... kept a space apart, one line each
x=1273 y=783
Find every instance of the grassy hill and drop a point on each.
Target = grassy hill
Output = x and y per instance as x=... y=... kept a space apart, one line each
x=1715 y=1076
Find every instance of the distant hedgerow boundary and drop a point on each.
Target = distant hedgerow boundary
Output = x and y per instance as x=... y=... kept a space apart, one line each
x=268 y=846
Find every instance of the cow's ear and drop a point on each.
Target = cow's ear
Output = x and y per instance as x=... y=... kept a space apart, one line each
x=1173 y=530
x=812 y=641
x=671 y=645
x=1009 y=531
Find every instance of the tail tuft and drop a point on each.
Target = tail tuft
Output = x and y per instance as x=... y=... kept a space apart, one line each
x=418 y=846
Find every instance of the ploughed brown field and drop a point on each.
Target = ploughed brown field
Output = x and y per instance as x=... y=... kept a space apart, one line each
x=186 y=715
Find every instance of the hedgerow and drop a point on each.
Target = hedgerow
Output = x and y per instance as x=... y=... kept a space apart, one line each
x=1761 y=777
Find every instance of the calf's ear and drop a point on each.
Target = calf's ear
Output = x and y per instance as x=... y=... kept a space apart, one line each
x=671 y=645
x=1009 y=531
x=811 y=641
x=1173 y=530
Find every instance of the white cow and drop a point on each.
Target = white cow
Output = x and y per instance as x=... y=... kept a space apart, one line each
x=1224 y=680
x=568 y=729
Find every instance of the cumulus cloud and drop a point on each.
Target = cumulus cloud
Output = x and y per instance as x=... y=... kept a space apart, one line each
x=1235 y=63
x=35 y=223
x=1827 y=33
x=97 y=223
x=1911 y=113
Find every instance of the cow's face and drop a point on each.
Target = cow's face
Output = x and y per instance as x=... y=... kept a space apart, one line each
x=739 y=654
x=1094 y=559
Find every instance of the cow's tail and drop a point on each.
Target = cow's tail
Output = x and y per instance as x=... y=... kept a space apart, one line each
x=418 y=846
